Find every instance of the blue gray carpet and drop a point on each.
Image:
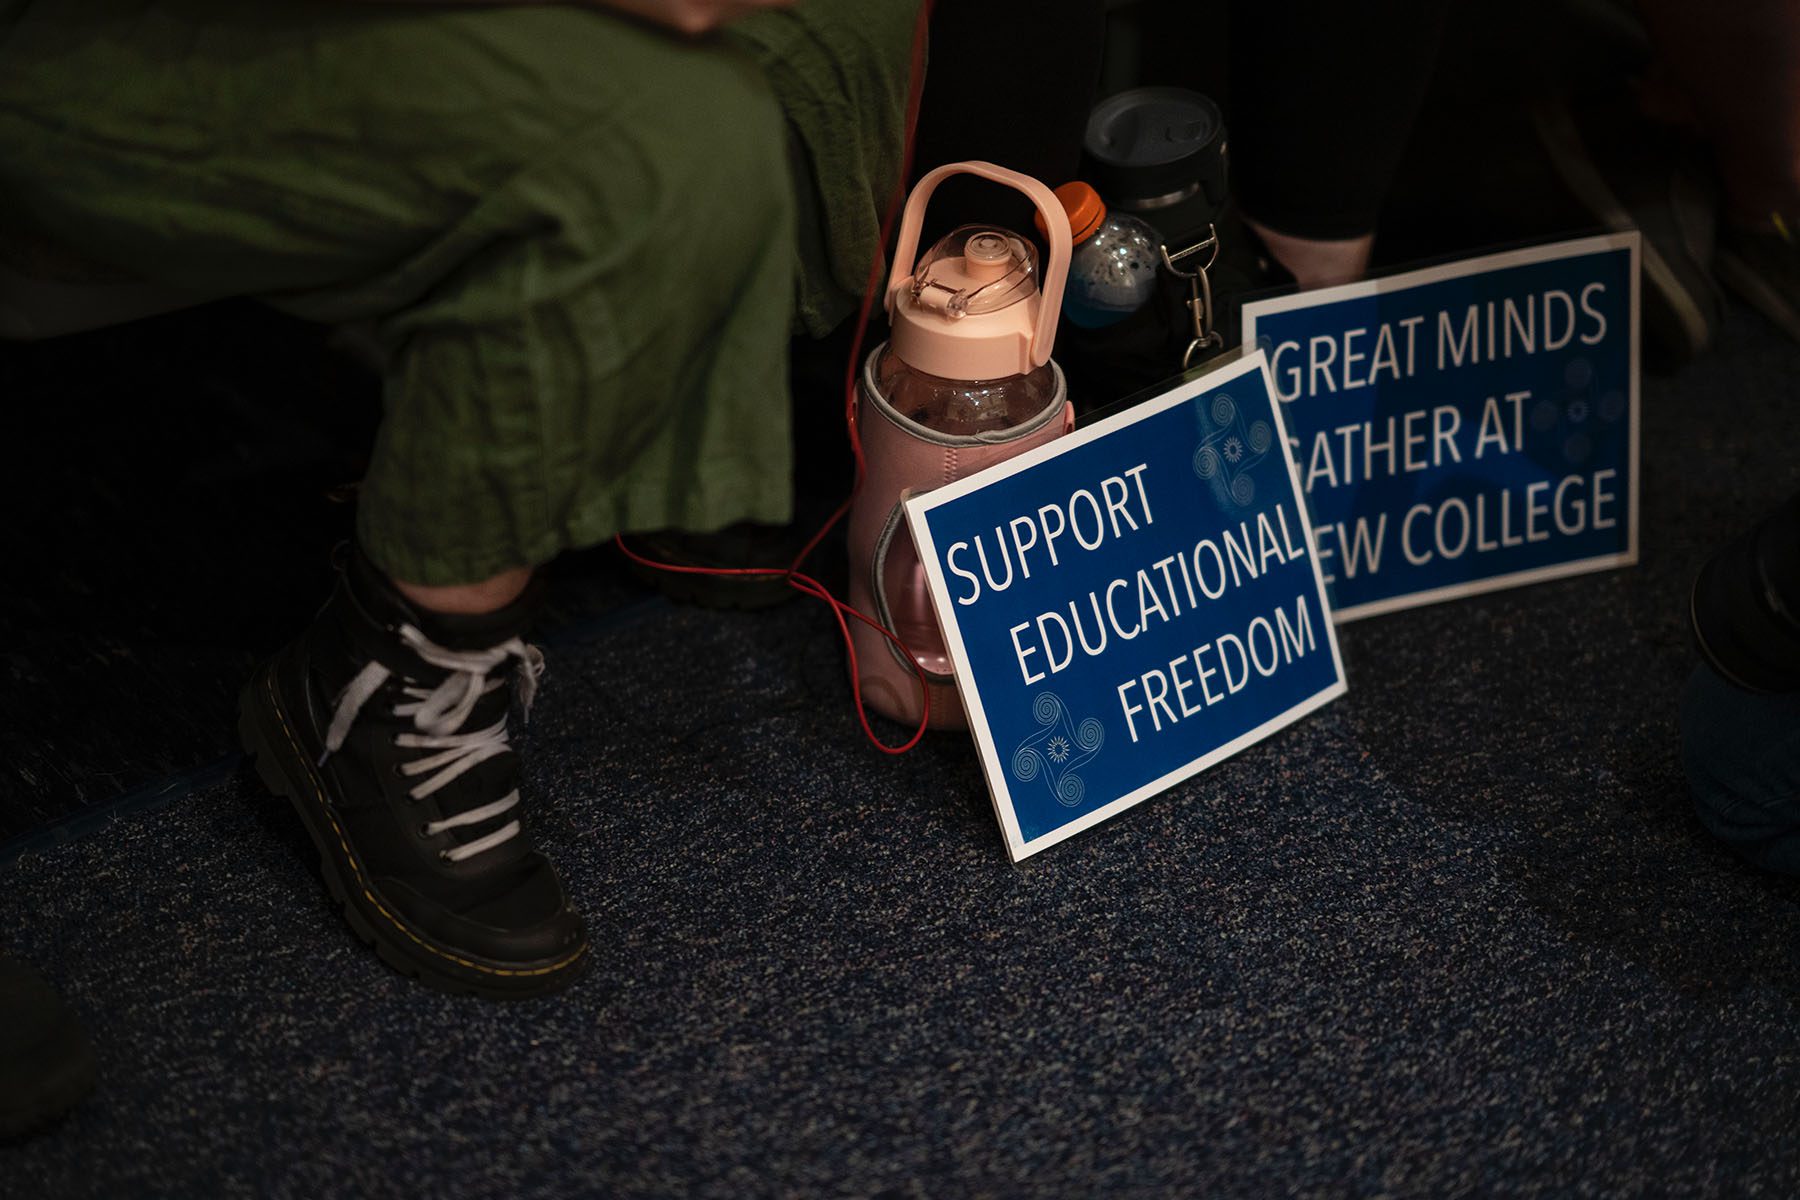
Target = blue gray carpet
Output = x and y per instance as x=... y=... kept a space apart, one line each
x=1457 y=934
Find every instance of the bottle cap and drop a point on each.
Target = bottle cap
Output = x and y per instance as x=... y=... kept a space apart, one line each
x=972 y=307
x=1085 y=209
x=969 y=309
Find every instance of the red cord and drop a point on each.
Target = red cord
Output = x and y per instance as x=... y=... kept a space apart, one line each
x=795 y=578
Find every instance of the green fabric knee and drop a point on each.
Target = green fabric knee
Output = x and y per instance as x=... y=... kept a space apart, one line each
x=574 y=234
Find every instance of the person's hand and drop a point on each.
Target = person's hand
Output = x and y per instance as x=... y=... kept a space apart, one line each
x=691 y=16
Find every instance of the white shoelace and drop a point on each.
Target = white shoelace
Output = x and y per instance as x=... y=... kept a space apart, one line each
x=438 y=714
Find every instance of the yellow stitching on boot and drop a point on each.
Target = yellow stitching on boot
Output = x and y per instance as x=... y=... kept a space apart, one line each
x=350 y=857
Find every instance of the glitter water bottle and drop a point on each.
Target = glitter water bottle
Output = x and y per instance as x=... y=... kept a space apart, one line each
x=1113 y=266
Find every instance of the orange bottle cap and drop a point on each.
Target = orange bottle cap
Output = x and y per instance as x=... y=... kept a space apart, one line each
x=1084 y=207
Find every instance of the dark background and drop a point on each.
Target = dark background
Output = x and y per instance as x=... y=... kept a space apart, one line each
x=1458 y=933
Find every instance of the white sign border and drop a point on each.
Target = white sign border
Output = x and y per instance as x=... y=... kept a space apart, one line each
x=1629 y=240
x=999 y=792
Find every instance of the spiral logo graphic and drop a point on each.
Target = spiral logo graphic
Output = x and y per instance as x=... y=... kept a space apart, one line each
x=1025 y=763
x=1229 y=449
x=1060 y=745
x=1070 y=790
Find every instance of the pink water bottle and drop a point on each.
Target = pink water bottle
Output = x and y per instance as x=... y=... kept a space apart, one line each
x=965 y=381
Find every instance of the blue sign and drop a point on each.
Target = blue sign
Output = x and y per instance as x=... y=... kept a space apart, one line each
x=1467 y=427
x=1130 y=604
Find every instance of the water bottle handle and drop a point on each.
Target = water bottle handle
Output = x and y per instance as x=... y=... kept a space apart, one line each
x=1056 y=222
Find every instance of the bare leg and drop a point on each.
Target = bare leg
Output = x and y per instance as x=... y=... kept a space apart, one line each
x=1317 y=262
x=468 y=599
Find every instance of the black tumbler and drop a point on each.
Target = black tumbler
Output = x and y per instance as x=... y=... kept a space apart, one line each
x=1158 y=153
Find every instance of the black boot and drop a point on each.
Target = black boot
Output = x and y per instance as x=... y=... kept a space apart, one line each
x=386 y=729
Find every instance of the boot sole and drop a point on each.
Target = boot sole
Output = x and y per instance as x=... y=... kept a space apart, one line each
x=268 y=737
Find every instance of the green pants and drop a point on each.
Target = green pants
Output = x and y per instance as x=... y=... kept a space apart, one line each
x=582 y=243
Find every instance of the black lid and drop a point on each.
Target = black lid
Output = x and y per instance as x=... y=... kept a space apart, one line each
x=1156 y=141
